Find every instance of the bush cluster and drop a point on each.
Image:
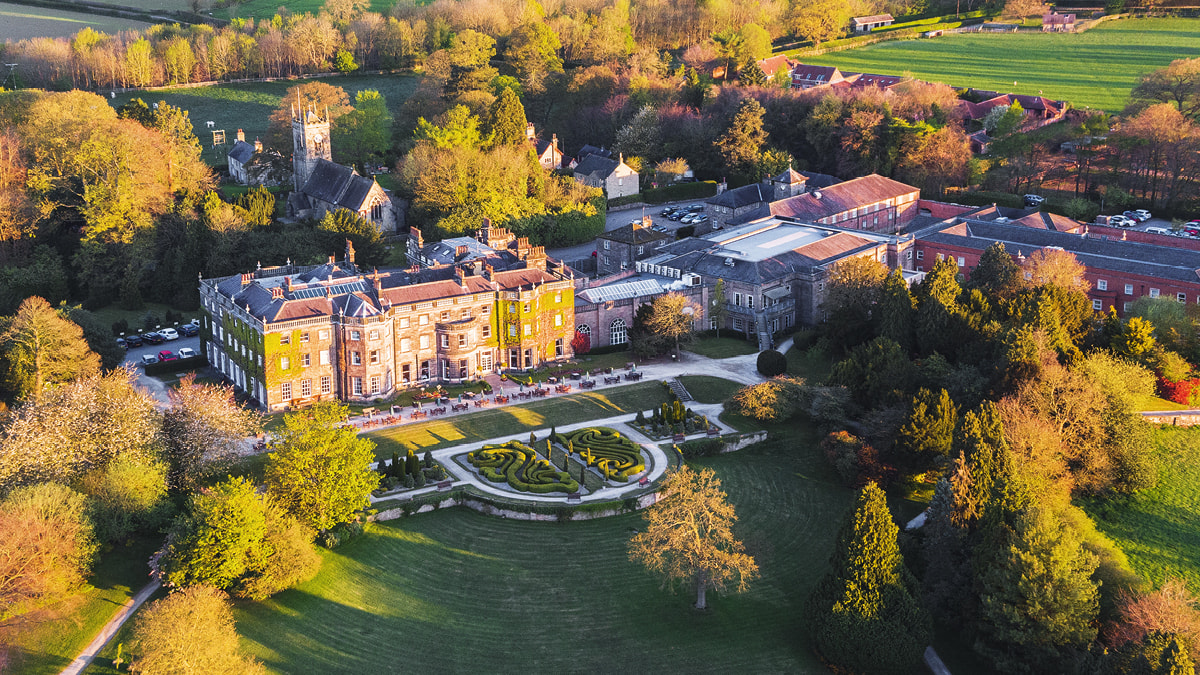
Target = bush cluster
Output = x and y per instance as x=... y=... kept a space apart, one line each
x=616 y=456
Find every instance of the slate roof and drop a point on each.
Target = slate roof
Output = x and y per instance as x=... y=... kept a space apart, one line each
x=445 y=252
x=337 y=184
x=1048 y=221
x=747 y=195
x=790 y=177
x=815 y=75
x=819 y=181
x=241 y=151
x=628 y=234
x=593 y=150
x=1127 y=257
x=771 y=65
x=840 y=198
x=597 y=166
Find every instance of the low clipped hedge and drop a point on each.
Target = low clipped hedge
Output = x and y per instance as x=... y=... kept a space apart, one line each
x=519 y=466
x=162 y=367
x=669 y=193
x=606 y=449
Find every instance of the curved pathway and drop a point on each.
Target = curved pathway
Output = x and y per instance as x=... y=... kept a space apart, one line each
x=110 y=629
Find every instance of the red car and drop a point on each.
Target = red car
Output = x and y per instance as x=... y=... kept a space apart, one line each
x=167 y=355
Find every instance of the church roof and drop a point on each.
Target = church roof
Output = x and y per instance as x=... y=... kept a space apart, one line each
x=338 y=185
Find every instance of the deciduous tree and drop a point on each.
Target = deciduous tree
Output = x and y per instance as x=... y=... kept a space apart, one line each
x=189 y=632
x=320 y=471
x=44 y=349
x=365 y=132
x=533 y=52
x=1177 y=84
x=203 y=428
x=689 y=537
x=674 y=317
x=46 y=546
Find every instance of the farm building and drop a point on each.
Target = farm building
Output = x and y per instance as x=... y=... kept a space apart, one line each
x=866 y=24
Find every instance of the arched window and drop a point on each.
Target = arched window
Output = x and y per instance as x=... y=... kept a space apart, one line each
x=377 y=211
x=584 y=328
x=618 y=333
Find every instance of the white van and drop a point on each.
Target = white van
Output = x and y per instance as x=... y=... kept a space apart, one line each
x=1157 y=230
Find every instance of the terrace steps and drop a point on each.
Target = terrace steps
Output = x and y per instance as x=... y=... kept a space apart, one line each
x=680 y=391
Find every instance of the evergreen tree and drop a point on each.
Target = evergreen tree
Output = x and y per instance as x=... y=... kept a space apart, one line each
x=928 y=434
x=938 y=310
x=428 y=459
x=864 y=616
x=743 y=140
x=997 y=274
x=896 y=313
x=506 y=122
x=947 y=580
x=396 y=469
x=1036 y=594
x=44 y=349
x=980 y=442
x=411 y=466
x=752 y=75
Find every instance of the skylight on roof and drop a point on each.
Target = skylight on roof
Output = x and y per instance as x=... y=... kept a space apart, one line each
x=319 y=291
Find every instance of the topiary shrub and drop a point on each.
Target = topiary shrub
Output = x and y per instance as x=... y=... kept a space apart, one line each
x=771 y=363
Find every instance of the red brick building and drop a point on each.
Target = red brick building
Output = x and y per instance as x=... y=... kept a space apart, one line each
x=1118 y=272
x=871 y=203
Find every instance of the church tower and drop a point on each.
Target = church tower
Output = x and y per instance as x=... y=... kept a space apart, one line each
x=310 y=142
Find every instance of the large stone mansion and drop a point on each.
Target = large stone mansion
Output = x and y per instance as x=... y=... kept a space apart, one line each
x=292 y=335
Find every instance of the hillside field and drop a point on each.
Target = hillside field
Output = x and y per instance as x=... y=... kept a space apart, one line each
x=248 y=106
x=1095 y=69
x=18 y=22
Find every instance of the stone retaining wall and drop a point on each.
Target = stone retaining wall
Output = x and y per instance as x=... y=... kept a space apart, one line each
x=491 y=509
x=1183 y=418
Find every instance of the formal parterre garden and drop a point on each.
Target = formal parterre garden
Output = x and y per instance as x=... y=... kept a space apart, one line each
x=581 y=460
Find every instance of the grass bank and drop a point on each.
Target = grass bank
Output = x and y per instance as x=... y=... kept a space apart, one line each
x=513 y=596
x=721 y=347
x=708 y=389
x=1095 y=69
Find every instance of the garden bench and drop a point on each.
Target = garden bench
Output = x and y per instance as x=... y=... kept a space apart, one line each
x=573 y=497
x=644 y=481
x=713 y=431
x=678 y=438
x=444 y=485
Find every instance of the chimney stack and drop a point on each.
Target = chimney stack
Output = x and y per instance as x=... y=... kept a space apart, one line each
x=276 y=293
x=246 y=279
x=349 y=252
x=529 y=131
x=241 y=136
x=257 y=145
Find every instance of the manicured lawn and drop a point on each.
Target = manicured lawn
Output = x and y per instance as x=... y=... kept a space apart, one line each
x=517 y=420
x=47 y=640
x=812 y=365
x=1158 y=529
x=248 y=106
x=457 y=591
x=1096 y=68
x=136 y=317
x=708 y=389
x=721 y=347
x=1155 y=403
x=18 y=22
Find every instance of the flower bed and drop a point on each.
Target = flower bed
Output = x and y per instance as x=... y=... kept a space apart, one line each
x=519 y=466
x=615 y=456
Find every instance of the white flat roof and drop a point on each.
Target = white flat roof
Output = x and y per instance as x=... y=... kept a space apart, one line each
x=764 y=239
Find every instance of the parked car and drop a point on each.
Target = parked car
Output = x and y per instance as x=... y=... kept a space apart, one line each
x=1034 y=200
x=1121 y=221
x=121 y=343
x=1143 y=215
x=666 y=212
x=132 y=341
x=153 y=338
x=696 y=208
x=147 y=359
x=1157 y=230
x=1192 y=223
x=675 y=216
x=699 y=219
x=187 y=353
x=189 y=330
x=167 y=355
x=169 y=333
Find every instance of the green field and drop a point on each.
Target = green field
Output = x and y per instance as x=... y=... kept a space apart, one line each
x=721 y=347
x=1095 y=69
x=18 y=22
x=517 y=420
x=456 y=591
x=1158 y=529
x=46 y=641
x=248 y=106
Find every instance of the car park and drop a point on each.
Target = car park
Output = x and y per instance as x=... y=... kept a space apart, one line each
x=1034 y=200
x=189 y=330
x=132 y=341
x=167 y=355
x=147 y=359
x=169 y=334
x=153 y=338
x=187 y=353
